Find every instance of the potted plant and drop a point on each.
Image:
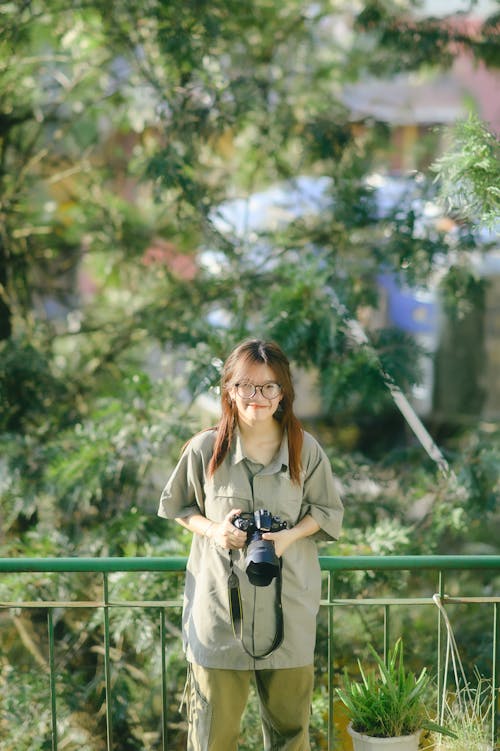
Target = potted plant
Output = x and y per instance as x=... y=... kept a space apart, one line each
x=388 y=706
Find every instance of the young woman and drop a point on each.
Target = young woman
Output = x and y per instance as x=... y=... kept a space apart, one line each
x=257 y=458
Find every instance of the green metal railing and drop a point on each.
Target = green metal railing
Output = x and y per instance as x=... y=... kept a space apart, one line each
x=440 y=568
x=443 y=568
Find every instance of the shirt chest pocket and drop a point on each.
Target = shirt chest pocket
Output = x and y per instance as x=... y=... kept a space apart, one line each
x=221 y=499
x=279 y=495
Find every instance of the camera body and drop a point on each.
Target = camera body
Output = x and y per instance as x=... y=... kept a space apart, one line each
x=261 y=564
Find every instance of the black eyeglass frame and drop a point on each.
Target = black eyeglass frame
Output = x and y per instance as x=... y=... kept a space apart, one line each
x=256 y=386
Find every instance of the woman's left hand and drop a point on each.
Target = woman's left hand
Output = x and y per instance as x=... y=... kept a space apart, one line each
x=282 y=540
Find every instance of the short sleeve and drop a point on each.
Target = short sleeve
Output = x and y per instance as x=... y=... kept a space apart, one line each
x=184 y=492
x=321 y=498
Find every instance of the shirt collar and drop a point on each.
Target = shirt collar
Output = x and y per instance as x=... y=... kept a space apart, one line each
x=238 y=455
x=282 y=457
x=280 y=462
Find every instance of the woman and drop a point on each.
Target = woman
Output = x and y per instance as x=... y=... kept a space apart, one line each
x=257 y=458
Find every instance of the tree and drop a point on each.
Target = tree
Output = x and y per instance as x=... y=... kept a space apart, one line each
x=190 y=105
x=469 y=173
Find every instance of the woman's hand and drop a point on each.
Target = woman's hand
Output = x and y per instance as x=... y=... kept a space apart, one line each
x=226 y=535
x=282 y=540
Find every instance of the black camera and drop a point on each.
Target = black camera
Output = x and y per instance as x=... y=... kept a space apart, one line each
x=262 y=563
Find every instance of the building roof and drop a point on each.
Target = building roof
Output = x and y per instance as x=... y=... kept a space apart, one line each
x=406 y=99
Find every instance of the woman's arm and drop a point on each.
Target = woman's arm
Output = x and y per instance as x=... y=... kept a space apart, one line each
x=223 y=533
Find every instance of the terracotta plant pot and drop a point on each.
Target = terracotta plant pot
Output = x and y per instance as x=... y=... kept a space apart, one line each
x=370 y=743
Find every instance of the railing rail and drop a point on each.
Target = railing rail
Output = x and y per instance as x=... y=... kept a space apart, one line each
x=332 y=566
x=328 y=563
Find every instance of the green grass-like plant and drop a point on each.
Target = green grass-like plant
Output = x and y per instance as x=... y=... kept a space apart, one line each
x=467 y=717
x=467 y=711
x=388 y=702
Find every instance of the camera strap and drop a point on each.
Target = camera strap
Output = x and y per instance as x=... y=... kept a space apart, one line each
x=236 y=611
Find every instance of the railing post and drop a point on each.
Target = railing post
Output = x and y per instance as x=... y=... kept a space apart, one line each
x=164 y=704
x=441 y=678
x=53 y=711
x=330 y=662
x=387 y=631
x=107 y=665
x=494 y=675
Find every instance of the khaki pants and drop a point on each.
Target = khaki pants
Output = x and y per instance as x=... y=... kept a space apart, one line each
x=217 y=699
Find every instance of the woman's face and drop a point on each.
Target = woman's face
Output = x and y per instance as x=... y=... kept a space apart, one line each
x=257 y=409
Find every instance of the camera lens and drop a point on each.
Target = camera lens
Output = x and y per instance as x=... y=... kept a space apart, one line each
x=262 y=563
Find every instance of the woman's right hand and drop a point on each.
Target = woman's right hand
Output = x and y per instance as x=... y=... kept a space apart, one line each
x=226 y=535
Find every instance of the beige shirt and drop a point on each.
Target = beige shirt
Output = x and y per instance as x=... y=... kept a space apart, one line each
x=240 y=483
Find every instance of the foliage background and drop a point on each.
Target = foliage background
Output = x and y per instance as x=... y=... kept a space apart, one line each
x=123 y=127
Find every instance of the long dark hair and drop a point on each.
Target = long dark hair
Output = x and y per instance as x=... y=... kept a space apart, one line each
x=251 y=352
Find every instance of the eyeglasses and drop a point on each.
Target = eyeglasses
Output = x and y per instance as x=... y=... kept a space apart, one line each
x=248 y=390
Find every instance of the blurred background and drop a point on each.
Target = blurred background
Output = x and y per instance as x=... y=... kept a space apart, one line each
x=175 y=177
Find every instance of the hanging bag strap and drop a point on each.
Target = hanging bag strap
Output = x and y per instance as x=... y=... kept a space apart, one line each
x=236 y=611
